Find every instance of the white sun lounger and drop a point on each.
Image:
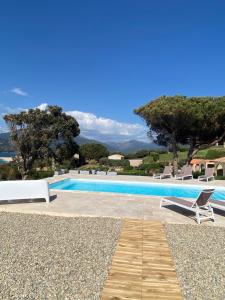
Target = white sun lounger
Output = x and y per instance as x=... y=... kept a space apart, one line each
x=202 y=206
x=84 y=172
x=167 y=173
x=24 y=189
x=208 y=175
x=111 y=173
x=100 y=173
x=186 y=173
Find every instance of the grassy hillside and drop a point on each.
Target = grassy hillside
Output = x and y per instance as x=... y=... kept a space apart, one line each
x=211 y=153
x=165 y=157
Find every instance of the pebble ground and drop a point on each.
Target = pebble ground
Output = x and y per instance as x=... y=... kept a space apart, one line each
x=45 y=257
x=199 y=257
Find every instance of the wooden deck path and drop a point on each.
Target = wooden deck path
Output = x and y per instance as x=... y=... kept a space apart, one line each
x=142 y=266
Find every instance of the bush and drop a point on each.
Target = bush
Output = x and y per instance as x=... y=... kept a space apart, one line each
x=133 y=172
x=114 y=163
x=197 y=173
x=9 y=172
x=183 y=149
x=220 y=177
x=155 y=156
x=93 y=151
x=155 y=166
x=33 y=174
x=181 y=162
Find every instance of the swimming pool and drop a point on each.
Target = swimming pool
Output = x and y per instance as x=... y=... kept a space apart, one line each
x=135 y=188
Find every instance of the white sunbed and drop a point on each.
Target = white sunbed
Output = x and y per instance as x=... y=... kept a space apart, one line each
x=84 y=172
x=202 y=206
x=100 y=173
x=186 y=173
x=167 y=173
x=73 y=172
x=208 y=175
x=24 y=189
x=111 y=173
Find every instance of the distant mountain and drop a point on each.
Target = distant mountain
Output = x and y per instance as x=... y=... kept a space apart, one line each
x=131 y=146
x=81 y=140
x=5 y=144
x=126 y=147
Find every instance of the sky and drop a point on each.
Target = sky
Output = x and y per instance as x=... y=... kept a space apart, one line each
x=100 y=60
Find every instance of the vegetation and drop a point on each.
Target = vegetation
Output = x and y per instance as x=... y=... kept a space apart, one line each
x=9 y=172
x=197 y=121
x=93 y=151
x=40 y=134
x=114 y=163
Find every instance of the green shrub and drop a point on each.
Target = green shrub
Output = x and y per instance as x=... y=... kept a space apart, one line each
x=154 y=166
x=114 y=163
x=155 y=156
x=9 y=172
x=220 y=177
x=33 y=174
x=134 y=172
x=181 y=162
x=197 y=173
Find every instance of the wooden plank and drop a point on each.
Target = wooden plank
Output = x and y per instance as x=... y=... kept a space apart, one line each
x=142 y=266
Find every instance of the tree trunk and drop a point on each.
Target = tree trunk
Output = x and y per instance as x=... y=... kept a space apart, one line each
x=192 y=150
x=175 y=156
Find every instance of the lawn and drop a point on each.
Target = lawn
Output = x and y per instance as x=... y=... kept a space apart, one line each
x=166 y=157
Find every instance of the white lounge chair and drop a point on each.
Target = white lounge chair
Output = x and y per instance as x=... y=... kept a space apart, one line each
x=100 y=173
x=73 y=172
x=208 y=175
x=24 y=189
x=186 y=173
x=167 y=173
x=201 y=206
x=84 y=172
x=111 y=173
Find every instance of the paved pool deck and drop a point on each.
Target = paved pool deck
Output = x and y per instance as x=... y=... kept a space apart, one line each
x=96 y=204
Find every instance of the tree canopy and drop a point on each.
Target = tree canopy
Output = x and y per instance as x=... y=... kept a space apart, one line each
x=197 y=121
x=93 y=151
x=39 y=133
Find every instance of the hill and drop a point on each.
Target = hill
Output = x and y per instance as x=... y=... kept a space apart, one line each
x=5 y=144
x=126 y=147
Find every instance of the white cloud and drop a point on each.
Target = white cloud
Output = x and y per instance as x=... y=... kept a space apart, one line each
x=99 y=128
x=107 y=129
x=43 y=106
x=18 y=91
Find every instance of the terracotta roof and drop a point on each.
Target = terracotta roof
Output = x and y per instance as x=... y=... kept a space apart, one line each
x=197 y=161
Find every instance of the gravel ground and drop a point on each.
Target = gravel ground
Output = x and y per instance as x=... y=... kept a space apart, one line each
x=45 y=257
x=199 y=256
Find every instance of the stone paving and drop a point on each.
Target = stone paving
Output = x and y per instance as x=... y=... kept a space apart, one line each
x=75 y=203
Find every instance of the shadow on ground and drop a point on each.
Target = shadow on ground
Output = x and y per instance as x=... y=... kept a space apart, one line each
x=22 y=201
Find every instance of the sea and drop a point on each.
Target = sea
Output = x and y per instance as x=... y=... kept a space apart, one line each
x=5 y=154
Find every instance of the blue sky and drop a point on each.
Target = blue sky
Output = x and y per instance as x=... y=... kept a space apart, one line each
x=101 y=59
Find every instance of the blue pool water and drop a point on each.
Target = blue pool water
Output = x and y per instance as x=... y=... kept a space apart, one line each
x=135 y=188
